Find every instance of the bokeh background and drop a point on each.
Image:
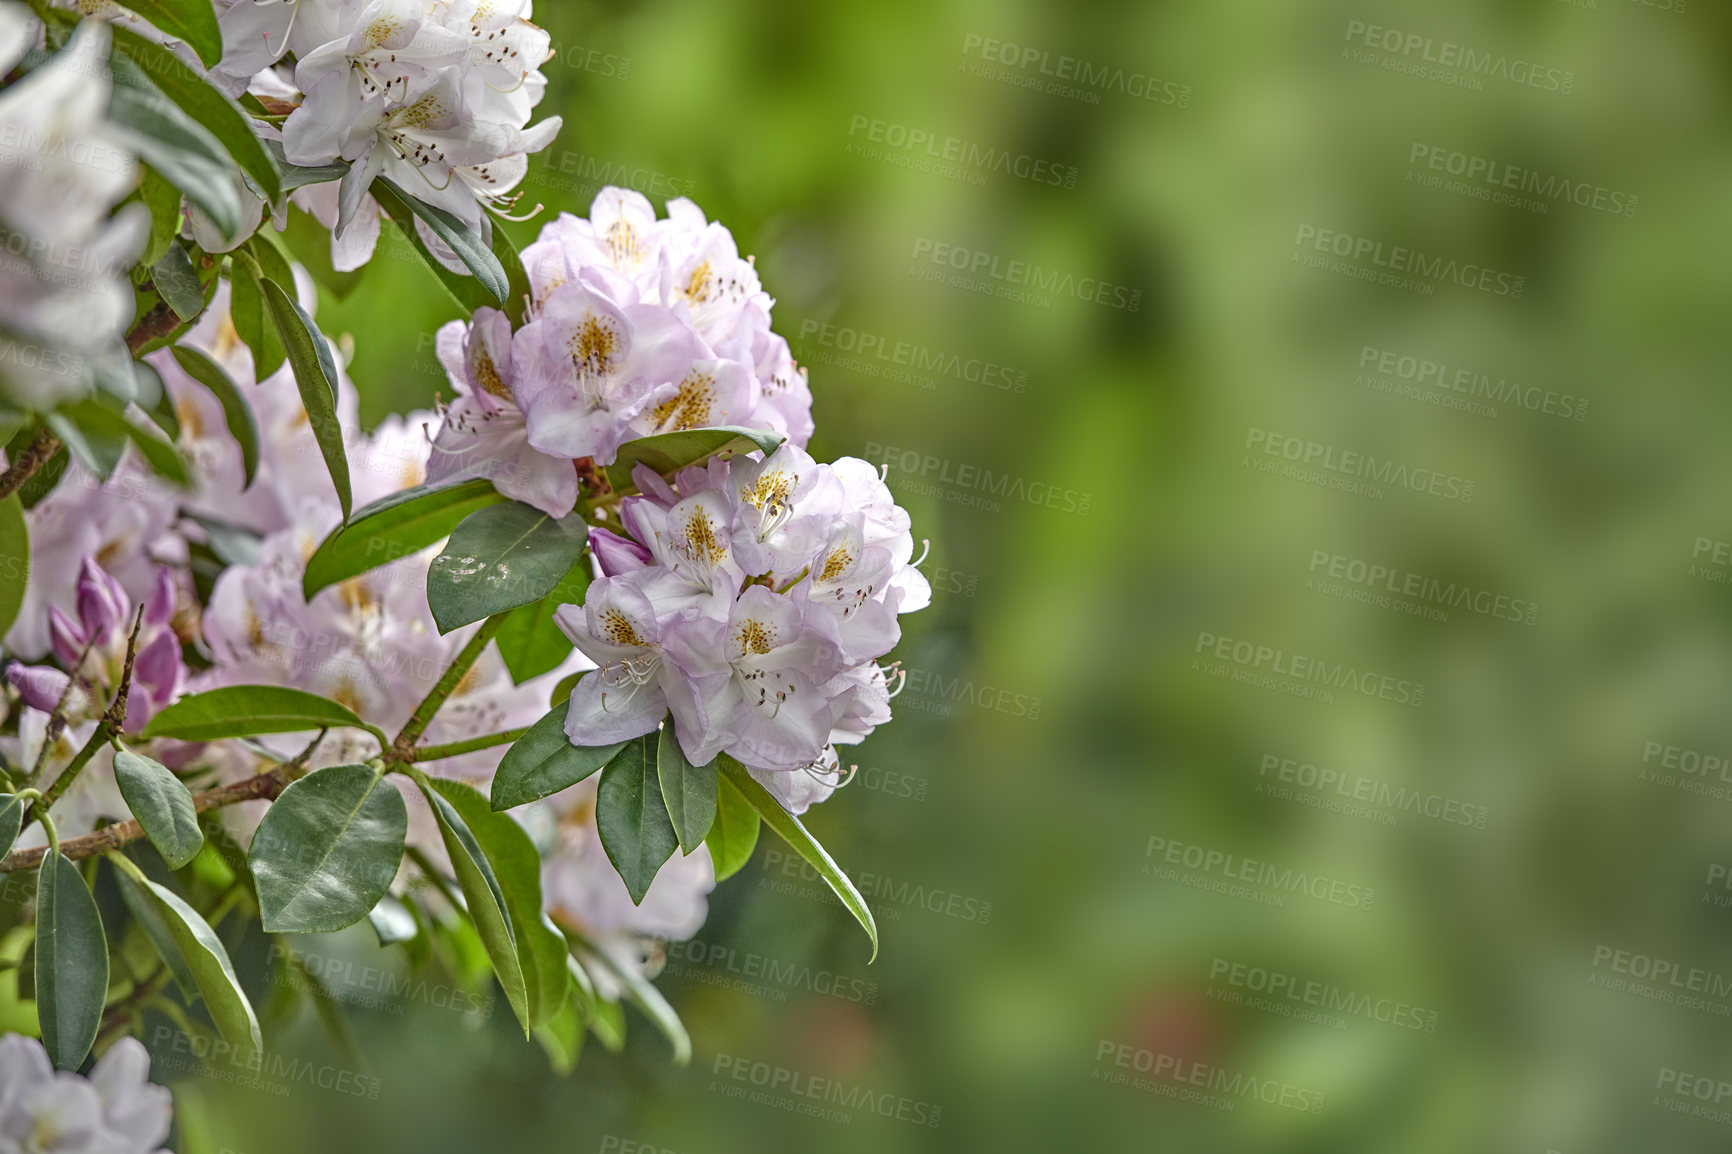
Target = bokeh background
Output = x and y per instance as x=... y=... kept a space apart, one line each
x=1533 y=956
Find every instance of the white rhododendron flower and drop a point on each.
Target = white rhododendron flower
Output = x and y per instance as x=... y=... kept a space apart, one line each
x=47 y=1111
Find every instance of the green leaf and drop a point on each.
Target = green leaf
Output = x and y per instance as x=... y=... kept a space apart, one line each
x=14 y=560
x=177 y=282
x=529 y=639
x=163 y=200
x=734 y=835
x=162 y=805
x=71 y=962
x=647 y=998
x=607 y=1023
x=517 y=281
x=542 y=954
x=316 y=377
x=543 y=761
x=192 y=22
x=144 y=911
x=247 y=311
x=174 y=143
x=396 y=526
x=99 y=435
x=11 y=821
x=154 y=399
x=216 y=112
x=327 y=850
x=561 y=1036
x=249 y=710
x=803 y=843
x=669 y=452
x=501 y=557
x=689 y=791
x=461 y=239
x=634 y=825
x=243 y=426
x=482 y=895
x=205 y=957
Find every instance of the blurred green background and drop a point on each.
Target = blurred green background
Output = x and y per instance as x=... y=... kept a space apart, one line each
x=1047 y=980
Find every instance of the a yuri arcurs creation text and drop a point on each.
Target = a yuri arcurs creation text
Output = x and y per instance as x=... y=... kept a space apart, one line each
x=519 y=677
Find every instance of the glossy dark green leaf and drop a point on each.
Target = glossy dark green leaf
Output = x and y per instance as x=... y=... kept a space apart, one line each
x=144 y=911
x=669 y=452
x=396 y=526
x=221 y=116
x=463 y=241
x=177 y=282
x=14 y=559
x=794 y=833
x=543 y=761
x=11 y=821
x=182 y=150
x=316 y=378
x=163 y=200
x=243 y=426
x=541 y=950
x=249 y=710
x=688 y=791
x=529 y=640
x=634 y=825
x=206 y=958
x=501 y=557
x=251 y=319
x=162 y=805
x=327 y=850
x=71 y=962
x=482 y=896
x=734 y=835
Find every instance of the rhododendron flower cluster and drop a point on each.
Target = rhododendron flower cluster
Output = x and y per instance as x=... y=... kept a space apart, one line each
x=637 y=326
x=114 y=1111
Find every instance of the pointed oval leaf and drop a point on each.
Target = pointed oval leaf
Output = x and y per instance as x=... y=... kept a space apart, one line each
x=327 y=850
x=541 y=950
x=794 y=833
x=71 y=962
x=248 y=710
x=501 y=557
x=14 y=559
x=163 y=806
x=177 y=282
x=205 y=957
x=192 y=22
x=543 y=761
x=482 y=895
x=406 y=522
x=316 y=378
x=144 y=911
x=734 y=834
x=462 y=240
x=11 y=821
x=174 y=143
x=688 y=791
x=669 y=452
x=243 y=426
x=634 y=825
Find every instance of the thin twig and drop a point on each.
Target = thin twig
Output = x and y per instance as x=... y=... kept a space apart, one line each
x=39 y=452
x=403 y=748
